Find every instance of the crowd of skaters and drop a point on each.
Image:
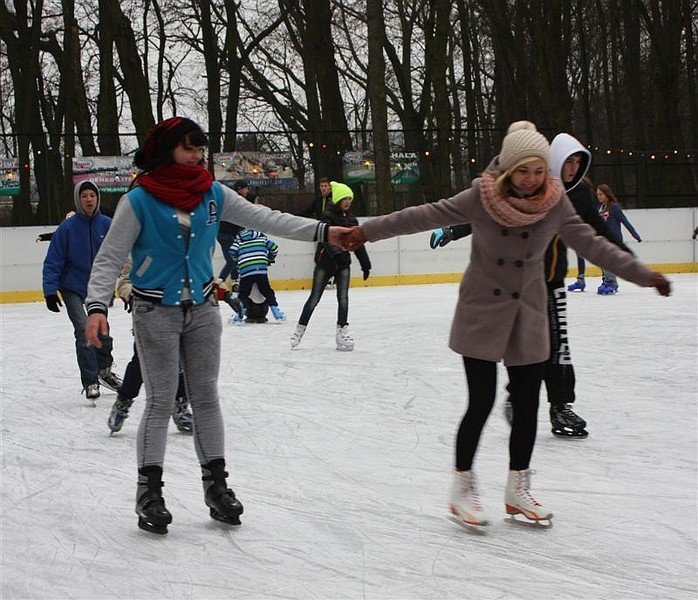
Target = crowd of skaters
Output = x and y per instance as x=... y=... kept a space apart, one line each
x=168 y=223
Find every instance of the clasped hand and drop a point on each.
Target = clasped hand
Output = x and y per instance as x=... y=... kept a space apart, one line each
x=347 y=238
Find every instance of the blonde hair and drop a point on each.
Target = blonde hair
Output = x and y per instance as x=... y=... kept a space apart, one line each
x=502 y=183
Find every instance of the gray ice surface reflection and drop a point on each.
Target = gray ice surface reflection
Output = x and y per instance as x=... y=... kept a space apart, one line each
x=343 y=463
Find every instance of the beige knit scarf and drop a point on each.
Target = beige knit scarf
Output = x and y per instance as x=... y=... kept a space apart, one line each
x=519 y=212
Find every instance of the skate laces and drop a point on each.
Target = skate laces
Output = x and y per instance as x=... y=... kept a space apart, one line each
x=122 y=405
x=469 y=489
x=523 y=486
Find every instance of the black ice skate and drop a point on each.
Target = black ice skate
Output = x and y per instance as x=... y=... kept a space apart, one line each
x=119 y=413
x=566 y=423
x=217 y=495
x=109 y=379
x=181 y=415
x=150 y=505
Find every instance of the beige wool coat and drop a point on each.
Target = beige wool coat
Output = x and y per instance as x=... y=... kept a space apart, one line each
x=501 y=312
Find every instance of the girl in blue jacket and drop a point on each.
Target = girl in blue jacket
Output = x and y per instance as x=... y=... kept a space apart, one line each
x=169 y=224
x=66 y=269
x=612 y=213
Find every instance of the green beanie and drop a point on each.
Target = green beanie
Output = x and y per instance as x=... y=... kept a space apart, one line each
x=340 y=191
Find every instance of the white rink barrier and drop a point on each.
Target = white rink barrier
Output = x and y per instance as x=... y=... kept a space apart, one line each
x=666 y=235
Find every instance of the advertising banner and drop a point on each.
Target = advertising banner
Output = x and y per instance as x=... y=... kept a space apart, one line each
x=261 y=169
x=360 y=167
x=108 y=173
x=9 y=176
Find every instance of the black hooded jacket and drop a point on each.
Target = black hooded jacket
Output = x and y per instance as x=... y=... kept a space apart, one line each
x=333 y=257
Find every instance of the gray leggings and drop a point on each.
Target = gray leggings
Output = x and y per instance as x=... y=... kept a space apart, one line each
x=164 y=336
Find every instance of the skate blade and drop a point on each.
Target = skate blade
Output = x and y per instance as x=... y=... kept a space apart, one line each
x=152 y=527
x=571 y=434
x=345 y=348
x=522 y=520
x=103 y=383
x=478 y=528
x=231 y=520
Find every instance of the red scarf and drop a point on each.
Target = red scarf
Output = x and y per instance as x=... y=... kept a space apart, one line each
x=181 y=186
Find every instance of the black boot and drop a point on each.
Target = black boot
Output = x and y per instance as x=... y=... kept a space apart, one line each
x=150 y=505
x=217 y=495
x=566 y=423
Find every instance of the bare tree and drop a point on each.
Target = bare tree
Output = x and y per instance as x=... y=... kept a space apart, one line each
x=379 y=108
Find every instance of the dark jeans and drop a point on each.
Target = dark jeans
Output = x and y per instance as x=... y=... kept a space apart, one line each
x=525 y=383
x=321 y=276
x=231 y=265
x=90 y=359
x=133 y=380
x=581 y=267
x=262 y=281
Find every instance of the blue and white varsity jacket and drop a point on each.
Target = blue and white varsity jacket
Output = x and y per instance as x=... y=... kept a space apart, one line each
x=163 y=264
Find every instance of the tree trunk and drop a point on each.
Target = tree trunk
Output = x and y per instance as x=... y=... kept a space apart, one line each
x=135 y=81
x=107 y=110
x=379 y=109
x=213 y=76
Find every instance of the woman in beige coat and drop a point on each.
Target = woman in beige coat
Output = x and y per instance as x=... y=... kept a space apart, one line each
x=515 y=208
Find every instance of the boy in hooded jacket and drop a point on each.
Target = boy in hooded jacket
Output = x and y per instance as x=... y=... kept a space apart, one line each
x=570 y=161
x=66 y=269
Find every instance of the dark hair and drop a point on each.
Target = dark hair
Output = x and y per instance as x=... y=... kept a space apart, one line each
x=163 y=138
x=606 y=189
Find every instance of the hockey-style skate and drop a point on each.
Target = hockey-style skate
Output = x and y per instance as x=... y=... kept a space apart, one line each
x=607 y=288
x=465 y=503
x=150 y=505
x=521 y=506
x=181 y=415
x=119 y=413
x=92 y=393
x=345 y=342
x=577 y=286
x=220 y=499
x=109 y=379
x=566 y=423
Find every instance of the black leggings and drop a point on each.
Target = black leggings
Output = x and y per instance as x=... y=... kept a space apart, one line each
x=482 y=390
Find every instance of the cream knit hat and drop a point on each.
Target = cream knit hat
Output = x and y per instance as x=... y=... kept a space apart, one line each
x=523 y=141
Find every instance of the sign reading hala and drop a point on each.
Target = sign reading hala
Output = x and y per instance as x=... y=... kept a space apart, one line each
x=108 y=173
x=360 y=167
x=262 y=169
x=9 y=177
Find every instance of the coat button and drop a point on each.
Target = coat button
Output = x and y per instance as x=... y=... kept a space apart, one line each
x=500 y=261
x=519 y=263
x=524 y=235
x=515 y=295
x=496 y=291
x=505 y=232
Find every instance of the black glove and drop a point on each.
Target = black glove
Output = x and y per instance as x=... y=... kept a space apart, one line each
x=53 y=302
x=366 y=274
x=440 y=237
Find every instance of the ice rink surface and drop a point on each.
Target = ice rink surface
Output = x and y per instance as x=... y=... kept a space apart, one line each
x=343 y=462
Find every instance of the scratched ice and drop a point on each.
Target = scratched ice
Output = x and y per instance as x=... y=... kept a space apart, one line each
x=343 y=463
